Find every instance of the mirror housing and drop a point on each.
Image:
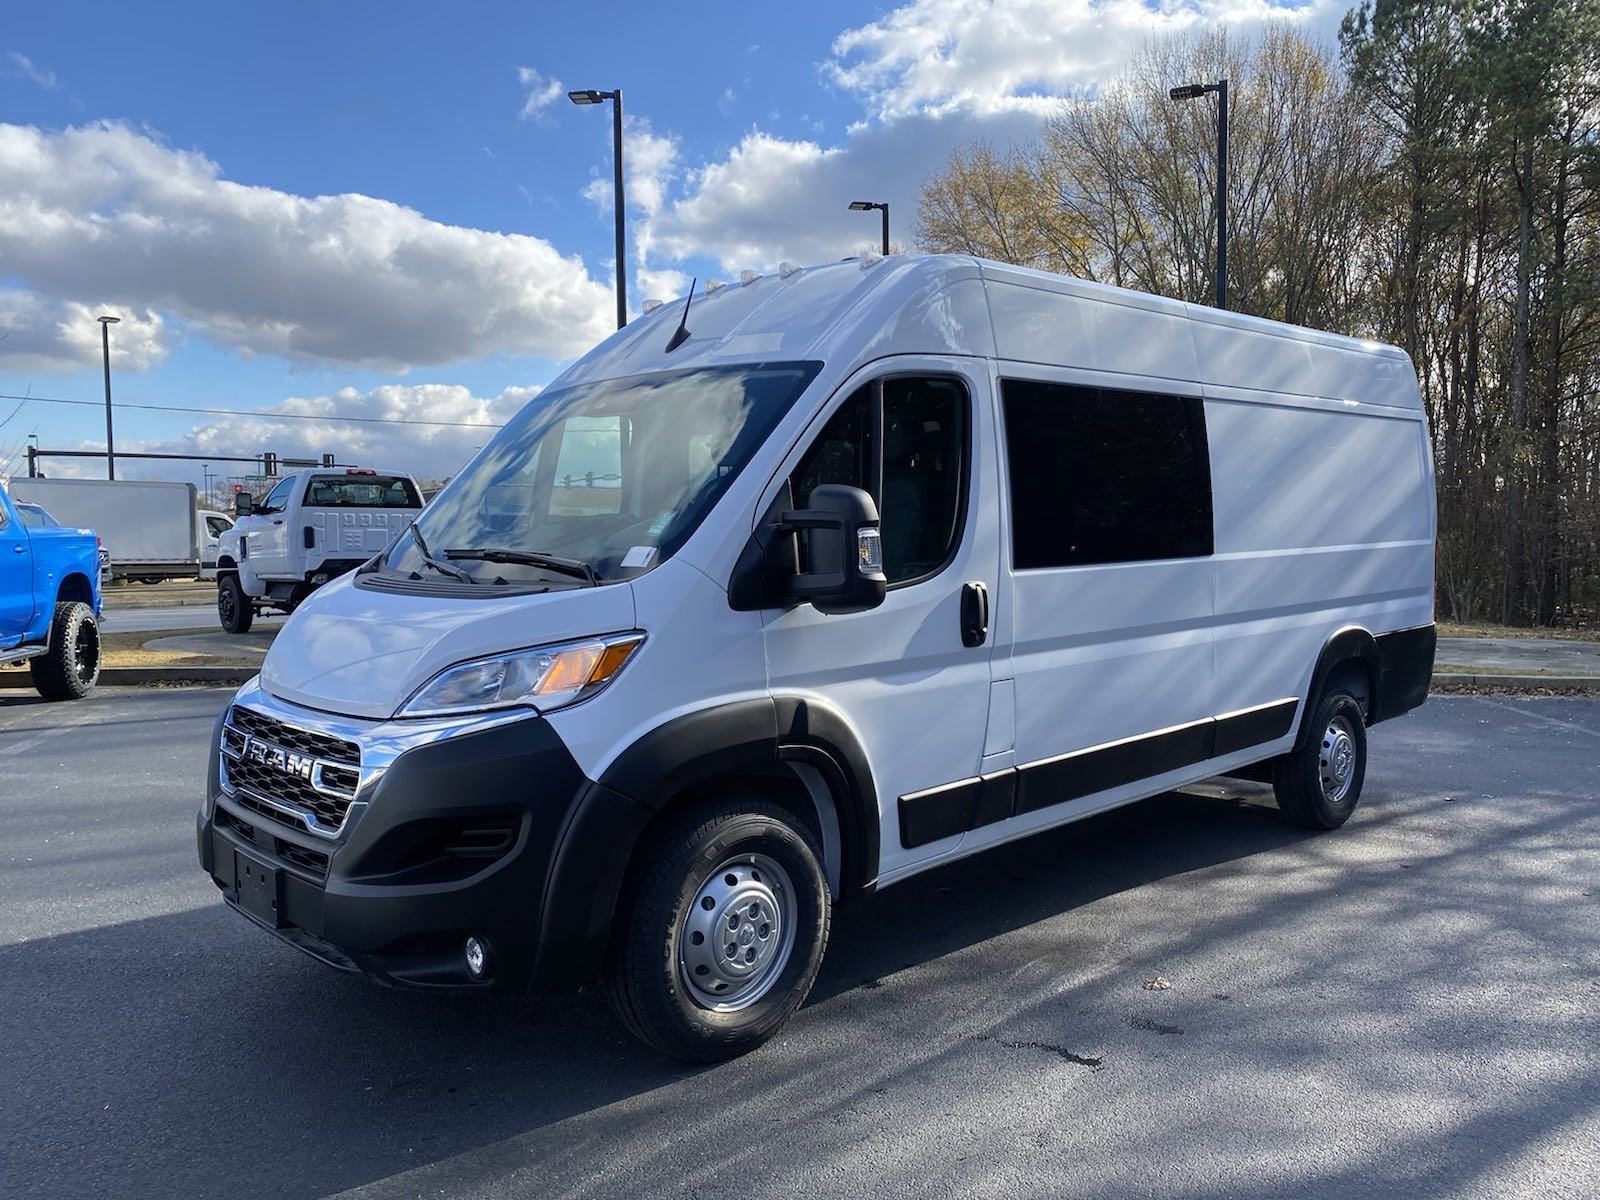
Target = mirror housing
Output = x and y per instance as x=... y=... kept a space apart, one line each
x=243 y=504
x=845 y=552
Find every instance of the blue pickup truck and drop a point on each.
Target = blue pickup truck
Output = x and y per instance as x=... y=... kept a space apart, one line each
x=49 y=602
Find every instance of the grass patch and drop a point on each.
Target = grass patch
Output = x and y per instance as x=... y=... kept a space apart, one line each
x=127 y=650
x=1485 y=630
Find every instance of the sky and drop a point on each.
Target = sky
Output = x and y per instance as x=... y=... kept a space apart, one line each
x=389 y=218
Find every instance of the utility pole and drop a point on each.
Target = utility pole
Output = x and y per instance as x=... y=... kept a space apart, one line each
x=105 y=357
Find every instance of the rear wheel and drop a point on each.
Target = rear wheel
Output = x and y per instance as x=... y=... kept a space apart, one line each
x=234 y=608
x=69 y=668
x=723 y=934
x=1319 y=783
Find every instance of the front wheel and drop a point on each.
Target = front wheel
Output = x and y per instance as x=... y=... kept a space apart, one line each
x=69 y=668
x=723 y=933
x=234 y=608
x=1318 y=784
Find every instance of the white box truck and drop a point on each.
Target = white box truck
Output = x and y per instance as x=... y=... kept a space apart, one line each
x=150 y=527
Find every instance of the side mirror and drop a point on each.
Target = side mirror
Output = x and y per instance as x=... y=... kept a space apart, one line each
x=844 y=549
x=243 y=504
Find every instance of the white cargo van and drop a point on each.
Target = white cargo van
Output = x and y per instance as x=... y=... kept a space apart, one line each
x=838 y=575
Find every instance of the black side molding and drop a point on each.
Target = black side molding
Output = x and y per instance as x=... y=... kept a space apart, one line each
x=968 y=804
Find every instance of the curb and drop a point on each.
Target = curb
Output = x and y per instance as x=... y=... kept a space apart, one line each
x=1558 y=682
x=152 y=676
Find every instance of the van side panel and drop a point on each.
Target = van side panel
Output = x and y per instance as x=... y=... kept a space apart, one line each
x=1324 y=520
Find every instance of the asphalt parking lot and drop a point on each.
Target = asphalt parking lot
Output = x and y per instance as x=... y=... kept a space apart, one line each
x=1410 y=1006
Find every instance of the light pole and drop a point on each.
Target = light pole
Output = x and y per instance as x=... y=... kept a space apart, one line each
x=105 y=357
x=1193 y=91
x=868 y=206
x=590 y=96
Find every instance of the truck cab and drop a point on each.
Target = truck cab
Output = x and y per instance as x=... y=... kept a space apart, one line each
x=313 y=526
x=212 y=526
x=49 y=601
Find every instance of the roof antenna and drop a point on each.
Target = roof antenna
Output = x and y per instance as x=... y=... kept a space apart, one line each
x=680 y=335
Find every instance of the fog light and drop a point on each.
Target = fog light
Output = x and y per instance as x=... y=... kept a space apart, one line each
x=318 y=579
x=477 y=955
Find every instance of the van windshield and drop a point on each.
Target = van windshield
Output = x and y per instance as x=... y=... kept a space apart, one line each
x=601 y=481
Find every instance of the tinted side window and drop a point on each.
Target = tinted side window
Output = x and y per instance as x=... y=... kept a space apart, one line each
x=278 y=497
x=904 y=441
x=1105 y=476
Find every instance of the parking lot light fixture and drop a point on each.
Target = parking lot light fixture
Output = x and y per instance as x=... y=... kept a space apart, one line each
x=586 y=96
x=1193 y=91
x=869 y=206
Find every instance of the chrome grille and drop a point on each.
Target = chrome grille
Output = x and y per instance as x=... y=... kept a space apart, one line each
x=291 y=775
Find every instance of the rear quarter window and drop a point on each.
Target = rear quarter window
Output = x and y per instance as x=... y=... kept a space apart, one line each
x=362 y=491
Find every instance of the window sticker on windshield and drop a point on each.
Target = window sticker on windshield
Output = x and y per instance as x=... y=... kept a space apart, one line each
x=663 y=518
x=639 y=556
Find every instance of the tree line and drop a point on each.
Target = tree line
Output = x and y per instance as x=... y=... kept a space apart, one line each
x=1433 y=182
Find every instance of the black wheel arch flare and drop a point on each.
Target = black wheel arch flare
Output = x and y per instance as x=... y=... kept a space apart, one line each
x=597 y=842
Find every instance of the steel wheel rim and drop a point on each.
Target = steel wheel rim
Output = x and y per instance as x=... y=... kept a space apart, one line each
x=86 y=653
x=1336 y=760
x=225 y=605
x=737 y=933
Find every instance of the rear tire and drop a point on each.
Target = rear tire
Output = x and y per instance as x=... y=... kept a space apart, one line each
x=722 y=935
x=69 y=668
x=234 y=608
x=1319 y=783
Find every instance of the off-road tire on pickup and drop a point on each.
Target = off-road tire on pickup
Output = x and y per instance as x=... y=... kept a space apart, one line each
x=703 y=871
x=69 y=668
x=1319 y=783
x=234 y=609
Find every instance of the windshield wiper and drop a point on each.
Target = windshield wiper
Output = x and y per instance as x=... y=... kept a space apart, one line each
x=574 y=567
x=429 y=560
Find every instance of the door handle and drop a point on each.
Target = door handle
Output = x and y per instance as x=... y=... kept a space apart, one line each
x=974 y=614
x=279 y=521
x=18 y=548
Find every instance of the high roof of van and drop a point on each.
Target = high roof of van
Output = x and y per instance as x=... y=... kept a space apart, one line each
x=859 y=310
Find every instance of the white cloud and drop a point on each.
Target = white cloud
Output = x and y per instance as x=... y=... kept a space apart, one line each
x=26 y=68
x=40 y=334
x=661 y=285
x=775 y=199
x=542 y=91
x=943 y=55
x=649 y=162
x=427 y=451
x=101 y=210
x=930 y=75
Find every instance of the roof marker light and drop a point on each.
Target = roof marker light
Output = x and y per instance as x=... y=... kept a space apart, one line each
x=870 y=258
x=651 y=305
x=786 y=269
x=715 y=285
x=746 y=278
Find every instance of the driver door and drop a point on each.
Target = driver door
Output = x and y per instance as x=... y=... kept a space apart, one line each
x=16 y=578
x=908 y=676
x=268 y=536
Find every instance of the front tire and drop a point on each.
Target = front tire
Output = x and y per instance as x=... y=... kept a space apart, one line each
x=69 y=668
x=723 y=933
x=234 y=608
x=1319 y=783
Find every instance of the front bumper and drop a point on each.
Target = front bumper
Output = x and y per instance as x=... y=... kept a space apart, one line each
x=454 y=835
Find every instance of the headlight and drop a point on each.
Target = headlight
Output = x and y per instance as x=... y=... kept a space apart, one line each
x=543 y=678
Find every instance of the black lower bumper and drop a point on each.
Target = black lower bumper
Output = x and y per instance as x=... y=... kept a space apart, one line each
x=460 y=837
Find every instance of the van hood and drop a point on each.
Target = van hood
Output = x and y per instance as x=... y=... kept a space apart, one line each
x=363 y=653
